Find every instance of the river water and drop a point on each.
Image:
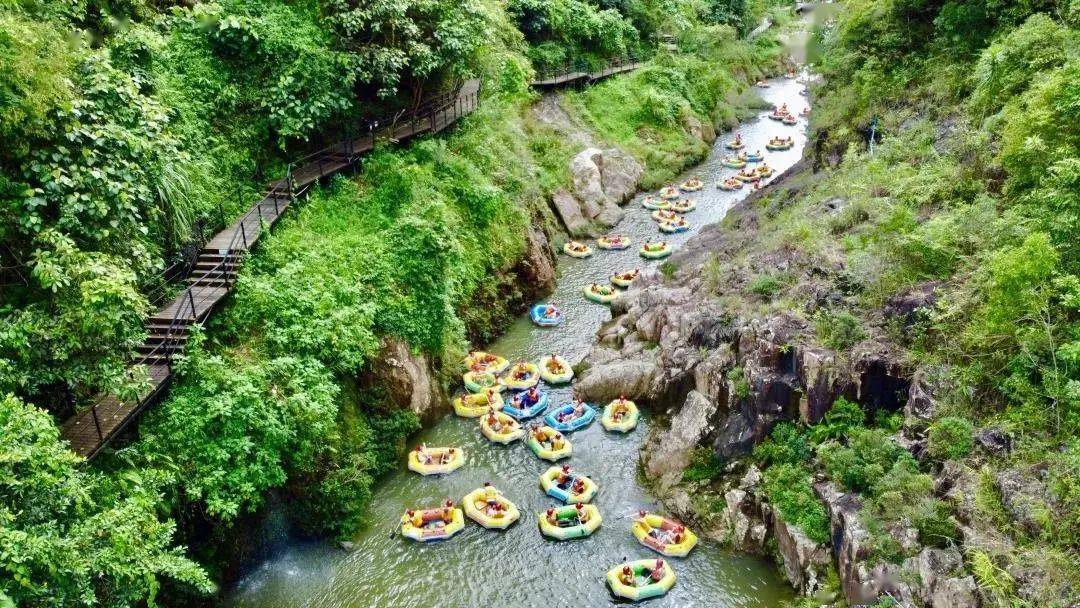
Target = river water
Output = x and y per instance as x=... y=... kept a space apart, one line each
x=520 y=567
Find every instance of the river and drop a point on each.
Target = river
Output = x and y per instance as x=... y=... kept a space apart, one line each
x=520 y=567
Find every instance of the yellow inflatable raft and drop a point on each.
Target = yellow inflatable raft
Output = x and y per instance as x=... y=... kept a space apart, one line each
x=427 y=525
x=549 y=444
x=479 y=361
x=665 y=536
x=664 y=215
x=621 y=415
x=635 y=581
x=501 y=428
x=435 y=461
x=601 y=294
x=569 y=521
x=489 y=508
x=575 y=249
x=669 y=192
x=623 y=279
x=652 y=203
x=683 y=206
x=474 y=405
x=691 y=185
x=613 y=241
x=555 y=370
x=562 y=484
x=654 y=251
x=523 y=375
x=735 y=144
x=729 y=184
x=765 y=171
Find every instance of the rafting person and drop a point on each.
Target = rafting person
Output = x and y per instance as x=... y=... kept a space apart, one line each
x=738 y=138
x=551 y=311
x=620 y=408
x=564 y=476
x=448 y=511
x=582 y=513
x=578 y=487
x=626 y=577
x=657 y=571
x=531 y=396
x=552 y=518
x=557 y=442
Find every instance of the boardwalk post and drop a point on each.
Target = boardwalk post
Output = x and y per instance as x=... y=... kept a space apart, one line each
x=243 y=233
x=97 y=423
x=194 y=316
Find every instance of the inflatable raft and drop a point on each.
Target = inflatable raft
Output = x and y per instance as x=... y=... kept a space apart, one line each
x=613 y=242
x=732 y=162
x=755 y=157
x=764 y=171
x=746 y=175
x=555 y=370
x=489 y=508
x=478 y=382
x=669 y=192
x=520 y=408
x=564 y=419
x=729 y=185
x=621 y=415
x=479 y=361
x=655 y=251
x=549 y=444
x=601 y=294
x=523 y=375
x=634 y=580
x=569 y=521
x=474 y=405
x=663 y=215
x=623 y=279
x=691 y=185
x=790 y=120
x=683 y=206
x=435 y=461
x=426 y=525
x=665 y=536
x=652 y=203
x=779 y=144
x=575 y=249
x=674 y=226
x=563 y=484
x=539 y=315
x=735 y=144
x=501 y=428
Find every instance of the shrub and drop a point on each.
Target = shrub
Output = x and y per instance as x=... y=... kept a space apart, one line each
x=668 y=269
x=935 y=524
x=862 y=464
x=838 y=330
x=740 y=385
x=950 y=438
x=767 y=285
x=839 y=421
x=786 y=444
x=789 y=491
x=704 y=465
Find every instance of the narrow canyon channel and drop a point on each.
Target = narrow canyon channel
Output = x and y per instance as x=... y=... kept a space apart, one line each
x=520 y=567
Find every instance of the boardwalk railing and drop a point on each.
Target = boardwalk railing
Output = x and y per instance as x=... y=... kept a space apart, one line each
x=212 y=273
x=576 y=71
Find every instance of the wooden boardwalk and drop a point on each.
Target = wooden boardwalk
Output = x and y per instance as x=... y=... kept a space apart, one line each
x=570 y=76
x=214 y=271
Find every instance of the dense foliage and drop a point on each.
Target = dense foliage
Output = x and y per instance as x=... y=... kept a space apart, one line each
x=71 y=537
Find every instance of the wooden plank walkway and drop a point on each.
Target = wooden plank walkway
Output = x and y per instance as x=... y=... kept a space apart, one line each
x=573 y=77
x=214 y=271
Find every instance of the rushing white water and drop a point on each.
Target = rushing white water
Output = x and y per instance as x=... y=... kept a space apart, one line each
x=519 y=567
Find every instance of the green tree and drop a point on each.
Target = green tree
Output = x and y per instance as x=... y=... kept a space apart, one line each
x=71 y=536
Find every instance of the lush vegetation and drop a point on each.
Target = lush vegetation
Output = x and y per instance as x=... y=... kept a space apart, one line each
x=132 y=129
x=954 y=248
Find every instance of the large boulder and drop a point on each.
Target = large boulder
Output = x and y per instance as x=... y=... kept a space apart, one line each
x=602 y=180
x=668 y=452
x=630 y=378
x=805 y=561
x=408 y=380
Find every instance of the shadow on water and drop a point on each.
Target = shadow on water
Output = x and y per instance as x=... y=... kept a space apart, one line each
x=519 y=567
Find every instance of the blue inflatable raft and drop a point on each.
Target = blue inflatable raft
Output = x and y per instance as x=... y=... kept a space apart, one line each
x=576 y=423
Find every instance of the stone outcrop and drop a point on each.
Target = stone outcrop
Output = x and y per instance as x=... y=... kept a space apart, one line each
x=602 y=181
x=933 y=577
x=408 y=380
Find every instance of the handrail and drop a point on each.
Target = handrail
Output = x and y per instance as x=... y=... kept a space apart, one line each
x=580 y=69
x=187 y=310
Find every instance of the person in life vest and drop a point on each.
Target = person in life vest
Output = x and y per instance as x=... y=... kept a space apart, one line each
x=657 y=571
x=557 y=442
x=448 y=511
x=578 y=487
x=626 y=577
x=620 y=409
x=493 y=421
x=582 y=513
x=738 y=138
x=551 y=517
x=564 y=476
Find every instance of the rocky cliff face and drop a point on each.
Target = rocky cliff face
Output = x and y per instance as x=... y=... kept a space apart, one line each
x=725 y=372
